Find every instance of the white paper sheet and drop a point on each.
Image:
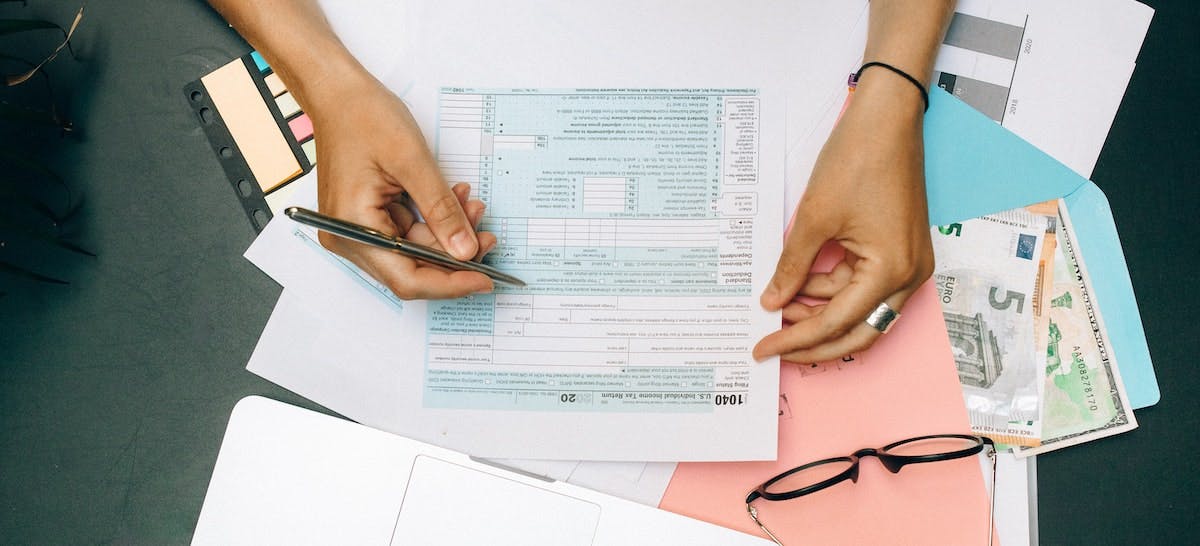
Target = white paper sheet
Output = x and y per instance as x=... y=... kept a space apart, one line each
x=344 y=377
x=1016 y=499
x=496 y=58
x=1053 y=72
x=648 y=329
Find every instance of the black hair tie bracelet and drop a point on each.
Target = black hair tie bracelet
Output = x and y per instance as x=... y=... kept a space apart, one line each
x=921 y=88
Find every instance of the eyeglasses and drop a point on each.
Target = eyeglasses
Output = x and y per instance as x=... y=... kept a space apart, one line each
x=815 y=476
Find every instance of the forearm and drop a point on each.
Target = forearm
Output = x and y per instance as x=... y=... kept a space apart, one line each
x=296 y=39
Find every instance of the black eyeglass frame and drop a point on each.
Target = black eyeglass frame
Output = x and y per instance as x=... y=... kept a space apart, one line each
x=890 y=461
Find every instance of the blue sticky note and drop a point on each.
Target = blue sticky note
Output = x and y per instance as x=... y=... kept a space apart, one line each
x=259 y=61
x=974 y=167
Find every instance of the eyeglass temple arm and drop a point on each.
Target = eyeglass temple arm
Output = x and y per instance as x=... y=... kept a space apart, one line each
x=992 y=501
x=754 y=516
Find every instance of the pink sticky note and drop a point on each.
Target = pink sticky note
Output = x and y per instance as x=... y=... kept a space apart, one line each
x=302 y=127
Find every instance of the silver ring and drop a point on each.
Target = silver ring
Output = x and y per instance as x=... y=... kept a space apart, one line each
x=882 y=318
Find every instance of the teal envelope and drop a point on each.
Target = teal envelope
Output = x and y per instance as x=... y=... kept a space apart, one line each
x=973 y=167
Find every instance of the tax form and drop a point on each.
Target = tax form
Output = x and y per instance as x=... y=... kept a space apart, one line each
x=646 y=223
x=632 y=216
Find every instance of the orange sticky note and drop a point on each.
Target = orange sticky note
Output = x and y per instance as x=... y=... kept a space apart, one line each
x=251 y=125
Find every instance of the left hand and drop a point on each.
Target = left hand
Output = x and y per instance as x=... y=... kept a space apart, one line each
x=867 y=192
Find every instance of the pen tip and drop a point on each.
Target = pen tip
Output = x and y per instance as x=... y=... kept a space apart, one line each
x=290 y=211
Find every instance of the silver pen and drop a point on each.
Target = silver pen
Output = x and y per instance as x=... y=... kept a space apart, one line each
x=377 y=239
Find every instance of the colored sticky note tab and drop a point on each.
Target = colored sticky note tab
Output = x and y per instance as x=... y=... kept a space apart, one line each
x=302 y=127
x=310 y=150
x=274 y=84
x=250 y=123
x=259 y=61
x=287 y=105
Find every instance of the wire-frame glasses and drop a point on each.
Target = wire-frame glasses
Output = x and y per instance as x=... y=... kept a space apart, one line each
x=815 y=476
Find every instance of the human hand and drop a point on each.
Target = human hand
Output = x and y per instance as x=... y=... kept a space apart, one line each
x=373 y=157
x=866 y=192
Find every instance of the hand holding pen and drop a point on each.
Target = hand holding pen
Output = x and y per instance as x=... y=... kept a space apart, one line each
x=371 y=152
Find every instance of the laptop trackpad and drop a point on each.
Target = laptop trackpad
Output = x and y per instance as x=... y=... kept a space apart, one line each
x=446 y=503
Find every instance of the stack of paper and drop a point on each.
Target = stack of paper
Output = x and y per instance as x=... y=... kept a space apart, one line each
x=419 y=369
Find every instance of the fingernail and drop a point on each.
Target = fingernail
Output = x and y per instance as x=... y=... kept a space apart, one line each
x=462 y=245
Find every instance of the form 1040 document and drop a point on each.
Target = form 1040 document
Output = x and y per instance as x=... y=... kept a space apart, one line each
x=646 y=223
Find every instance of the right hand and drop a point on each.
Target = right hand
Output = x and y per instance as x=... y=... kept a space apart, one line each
x=371 y=156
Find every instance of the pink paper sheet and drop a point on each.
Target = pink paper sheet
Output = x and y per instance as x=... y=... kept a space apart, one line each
x=906 y=385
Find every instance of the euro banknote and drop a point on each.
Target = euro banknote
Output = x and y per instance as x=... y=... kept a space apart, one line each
x=986 y=276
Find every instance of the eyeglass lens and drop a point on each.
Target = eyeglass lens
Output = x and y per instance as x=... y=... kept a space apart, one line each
x=932 y=446
x=811 y=475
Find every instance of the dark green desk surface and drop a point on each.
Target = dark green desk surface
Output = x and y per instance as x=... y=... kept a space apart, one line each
x=115 y=390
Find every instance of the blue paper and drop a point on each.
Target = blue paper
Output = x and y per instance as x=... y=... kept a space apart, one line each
x=1101 y=248
x=974 y=167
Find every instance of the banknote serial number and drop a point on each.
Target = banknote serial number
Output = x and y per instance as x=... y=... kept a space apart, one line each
x=1085 y=379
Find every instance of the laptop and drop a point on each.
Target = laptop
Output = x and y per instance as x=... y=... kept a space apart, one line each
x=286 y=475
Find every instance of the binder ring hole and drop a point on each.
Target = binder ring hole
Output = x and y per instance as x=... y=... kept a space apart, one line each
x=226 y=152
x=206 y=116
x=260 y=218
x=244 y=188
x=196 y=96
